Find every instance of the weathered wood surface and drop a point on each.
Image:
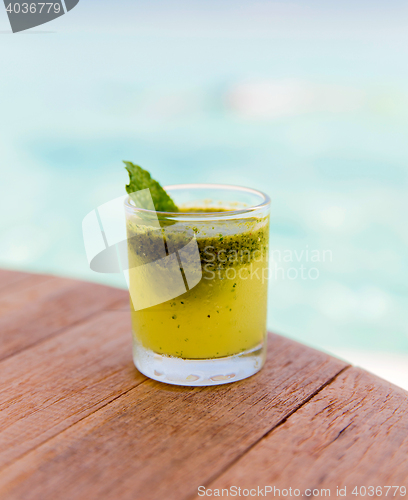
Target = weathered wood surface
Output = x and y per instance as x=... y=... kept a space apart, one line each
x=36 y=307
x=78 y=421
x=61 y=380
x=9 y=278
x=352 y=433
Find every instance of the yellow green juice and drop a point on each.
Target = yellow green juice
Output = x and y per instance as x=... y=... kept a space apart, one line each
x=225 y=313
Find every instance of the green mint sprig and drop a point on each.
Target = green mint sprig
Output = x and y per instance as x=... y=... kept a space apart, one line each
x=141 y=179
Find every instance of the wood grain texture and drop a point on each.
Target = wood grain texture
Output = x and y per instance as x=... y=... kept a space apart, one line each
x=31 y=289
x=54 y=384
x=38 y=307
x=26 y=282
x=160 y=441
x=352 y=433
x=8 y=278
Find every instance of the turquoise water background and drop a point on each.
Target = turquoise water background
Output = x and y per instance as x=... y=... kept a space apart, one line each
x=308 y=103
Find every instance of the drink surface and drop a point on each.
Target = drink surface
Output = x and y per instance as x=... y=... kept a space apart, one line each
x=225 y=313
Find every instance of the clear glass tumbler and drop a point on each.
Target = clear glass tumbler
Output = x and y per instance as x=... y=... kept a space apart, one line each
x=198 y=285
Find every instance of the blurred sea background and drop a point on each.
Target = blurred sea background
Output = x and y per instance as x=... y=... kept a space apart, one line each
x=307 y=101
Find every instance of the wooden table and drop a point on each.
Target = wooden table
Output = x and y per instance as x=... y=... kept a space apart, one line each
x=78 y=421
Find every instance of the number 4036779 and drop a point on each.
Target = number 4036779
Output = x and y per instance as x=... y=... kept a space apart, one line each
x=380 y=491
x=33 y=8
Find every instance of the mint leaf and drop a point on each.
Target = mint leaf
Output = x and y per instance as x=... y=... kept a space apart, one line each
x=141 y=179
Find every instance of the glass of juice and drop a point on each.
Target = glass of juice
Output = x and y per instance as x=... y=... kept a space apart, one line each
x=198 y=282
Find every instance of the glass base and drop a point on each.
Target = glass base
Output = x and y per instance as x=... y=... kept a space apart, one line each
x=198 y=372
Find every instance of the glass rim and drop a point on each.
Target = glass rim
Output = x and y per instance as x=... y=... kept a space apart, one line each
x=266 y=201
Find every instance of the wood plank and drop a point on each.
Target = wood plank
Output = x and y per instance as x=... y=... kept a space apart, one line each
x=9 y=277
x=54 y=384
x=32 y=313
x=121 y=306
x=352 y=433
x=29 y=290
x=162 y=441
x=26 y=281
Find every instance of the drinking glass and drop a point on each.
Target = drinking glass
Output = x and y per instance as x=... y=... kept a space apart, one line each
x=198 y=282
